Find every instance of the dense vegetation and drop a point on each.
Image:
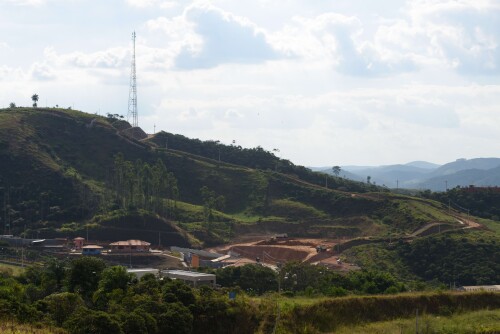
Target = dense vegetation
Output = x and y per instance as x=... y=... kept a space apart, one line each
x=305 y=279
x=84 y=296
x=455 y=258
x=140 y=185
x=481 y=202
x=256 y=158
x=461 y=259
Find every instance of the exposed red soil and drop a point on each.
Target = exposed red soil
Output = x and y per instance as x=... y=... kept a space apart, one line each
x=271 y=254
x=271 y=251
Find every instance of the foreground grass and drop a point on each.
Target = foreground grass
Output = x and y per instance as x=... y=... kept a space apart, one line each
x=11 y=270
x=487 y=321
x=335 y=313
x=11 y=327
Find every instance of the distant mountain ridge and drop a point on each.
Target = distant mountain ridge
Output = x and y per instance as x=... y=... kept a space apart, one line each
x=479 y=172
x=423 y=164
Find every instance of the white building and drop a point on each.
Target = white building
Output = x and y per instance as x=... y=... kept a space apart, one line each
x=139 y=272
x=192 y=278
x=480 y=288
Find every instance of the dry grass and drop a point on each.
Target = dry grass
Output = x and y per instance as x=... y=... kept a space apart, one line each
x=11 y=270
x=487 y=321
x=335 y=313
x=12 y=327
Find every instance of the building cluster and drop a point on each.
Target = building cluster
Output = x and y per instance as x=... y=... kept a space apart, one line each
x=128 y=246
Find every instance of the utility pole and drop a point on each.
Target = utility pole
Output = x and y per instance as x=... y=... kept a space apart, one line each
x=446 y=185
x=132 y=95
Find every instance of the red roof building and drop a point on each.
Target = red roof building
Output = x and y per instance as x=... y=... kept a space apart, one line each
x=79 y=242
x=130 y=246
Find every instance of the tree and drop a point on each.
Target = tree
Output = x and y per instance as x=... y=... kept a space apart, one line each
x=336 y=170
x=276 y=151
x=87 y=321
x=115 y=277
x=12 y=105
x=177 y=291
x=368 y=179
x=251 y=278
x=84 y=275
x=209 y=200
x=34 y=98
x=56 y=270
x=60 y=306
x=134 y=324
x=177 y=319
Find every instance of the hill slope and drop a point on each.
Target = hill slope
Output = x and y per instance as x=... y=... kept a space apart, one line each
x=62 y=169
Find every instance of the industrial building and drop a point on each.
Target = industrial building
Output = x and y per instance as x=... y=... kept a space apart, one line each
x=192 y=278
x=470 y=288
x=143 y=271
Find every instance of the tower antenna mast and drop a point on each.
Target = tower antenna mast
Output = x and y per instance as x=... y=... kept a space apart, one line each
x=132 y=95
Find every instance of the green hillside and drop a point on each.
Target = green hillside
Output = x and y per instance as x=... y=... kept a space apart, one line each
x=64 y=171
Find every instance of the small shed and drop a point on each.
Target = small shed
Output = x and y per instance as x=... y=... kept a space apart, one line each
x=130 y=246
x=91 y=250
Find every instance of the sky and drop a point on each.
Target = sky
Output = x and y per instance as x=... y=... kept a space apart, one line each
x=344 y=82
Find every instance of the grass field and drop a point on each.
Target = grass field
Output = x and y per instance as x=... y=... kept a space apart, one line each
x=487 y=321
x=360 y=312
x=11 y=327
x=11 y=269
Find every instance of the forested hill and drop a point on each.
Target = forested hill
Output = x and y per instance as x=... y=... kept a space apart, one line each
x=256 y=158
x=63 y=169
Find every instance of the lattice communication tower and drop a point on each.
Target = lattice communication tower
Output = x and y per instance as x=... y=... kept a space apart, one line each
x=132 y=95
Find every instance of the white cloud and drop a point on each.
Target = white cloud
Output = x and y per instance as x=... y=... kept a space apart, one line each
x=116 y=57
x=206 y=36
x=27 y=2
x=323 y=83
x=152 y=3
x=9 y=74
x=338 y=40
x=42 y=71
x=461 y=35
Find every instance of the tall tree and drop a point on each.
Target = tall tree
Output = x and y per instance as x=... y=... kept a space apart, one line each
x=34 y=98
x=84 y=274
x=336 y=170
